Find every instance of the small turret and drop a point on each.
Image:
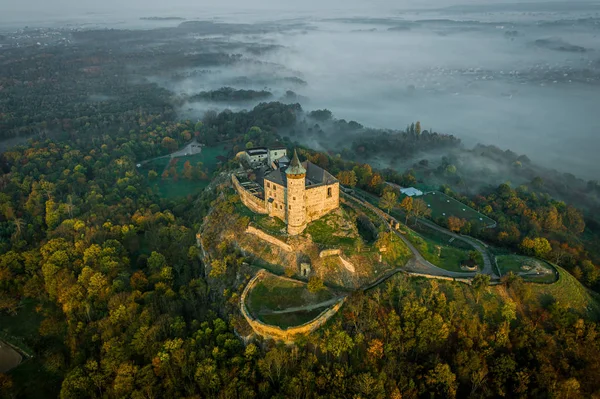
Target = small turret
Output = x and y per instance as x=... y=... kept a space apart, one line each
x=295 y=167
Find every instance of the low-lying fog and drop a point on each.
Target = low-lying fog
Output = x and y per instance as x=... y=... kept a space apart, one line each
x=521 y=77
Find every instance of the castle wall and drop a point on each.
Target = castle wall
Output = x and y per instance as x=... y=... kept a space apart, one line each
x=277 y=208
x=317 y=202
x=268 y=238
x=277 y=333
x=250 y=200
x=330 y=252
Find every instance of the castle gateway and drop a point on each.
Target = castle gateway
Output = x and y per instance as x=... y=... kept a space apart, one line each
x=293 y=191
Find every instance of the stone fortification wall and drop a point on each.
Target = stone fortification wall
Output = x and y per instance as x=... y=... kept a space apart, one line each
x=289 y=334
x=317 y=202
x=251 y=201
x=460 y=280
x=268 y=238
x=329 y=252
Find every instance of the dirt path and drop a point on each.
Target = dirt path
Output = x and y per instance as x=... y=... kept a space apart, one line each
x=306 y=307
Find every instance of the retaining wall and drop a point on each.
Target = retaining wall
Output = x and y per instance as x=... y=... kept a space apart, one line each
x=289 y=334
x=429 y=276
x=250 y=200
x=329 y=252
x=270 y=239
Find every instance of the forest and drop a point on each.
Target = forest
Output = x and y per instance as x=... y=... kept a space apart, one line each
x=101 y=280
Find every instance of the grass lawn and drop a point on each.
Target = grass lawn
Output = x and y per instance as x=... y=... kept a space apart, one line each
x=445 y=256
x=513 y=263
x=569 y=292
x=285 y=320
x=445 y=206
x=270 y=225
x=326 y=231
x=276 y=293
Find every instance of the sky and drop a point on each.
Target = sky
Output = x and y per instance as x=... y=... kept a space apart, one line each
x=57 y=5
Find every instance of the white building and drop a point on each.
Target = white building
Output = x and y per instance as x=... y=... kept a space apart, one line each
x=411 y=192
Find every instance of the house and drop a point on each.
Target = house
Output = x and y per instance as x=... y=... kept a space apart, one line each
x=256 y=155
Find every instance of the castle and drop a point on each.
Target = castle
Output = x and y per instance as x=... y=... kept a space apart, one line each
x=293 y=191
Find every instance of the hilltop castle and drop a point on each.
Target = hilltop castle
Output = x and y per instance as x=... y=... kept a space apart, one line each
x=293 y=191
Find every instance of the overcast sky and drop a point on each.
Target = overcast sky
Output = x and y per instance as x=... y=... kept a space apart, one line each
x=93 y=5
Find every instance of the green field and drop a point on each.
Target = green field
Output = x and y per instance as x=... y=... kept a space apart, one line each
x=439 y=253
x=514 y=263
x=277 y=293
x=285 y=320
x=181 y=187
x=331 y=231
x=569 y=292
x=443 y=206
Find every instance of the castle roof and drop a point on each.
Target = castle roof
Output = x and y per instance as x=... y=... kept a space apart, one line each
x=315 y=175
x=295 y=167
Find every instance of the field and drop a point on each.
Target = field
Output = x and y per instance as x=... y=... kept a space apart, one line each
x=285 y=320
x=569 y=292
x=443 y=206
x=440 y=253
x=275 y=293
x=181 y=187
x=514 y=263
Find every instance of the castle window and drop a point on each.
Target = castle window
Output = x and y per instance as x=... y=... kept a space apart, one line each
x=329 y=192
x=290 y=207
x=294 y=198
x=268 y=185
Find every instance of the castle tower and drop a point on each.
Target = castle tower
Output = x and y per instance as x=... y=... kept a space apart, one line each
x=296 y=208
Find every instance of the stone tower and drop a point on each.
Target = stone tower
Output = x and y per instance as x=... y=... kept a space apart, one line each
x=296 y=182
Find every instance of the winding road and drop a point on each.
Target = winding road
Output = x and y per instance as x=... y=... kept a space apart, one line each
x=422 y=265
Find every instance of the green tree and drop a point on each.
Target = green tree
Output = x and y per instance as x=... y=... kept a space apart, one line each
x=480 y=283
x=315 y=284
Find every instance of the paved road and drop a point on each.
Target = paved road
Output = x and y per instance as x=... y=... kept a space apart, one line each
x=487 y=262
x=422 y=265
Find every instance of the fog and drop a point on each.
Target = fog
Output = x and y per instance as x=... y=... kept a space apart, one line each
x=521 y=76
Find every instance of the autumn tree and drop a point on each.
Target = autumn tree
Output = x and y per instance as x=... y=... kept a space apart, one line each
x=407 y=206
x=456 y=224
x=388 y=200
x=420 y=209
x=538 y=246
x=347 y=178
